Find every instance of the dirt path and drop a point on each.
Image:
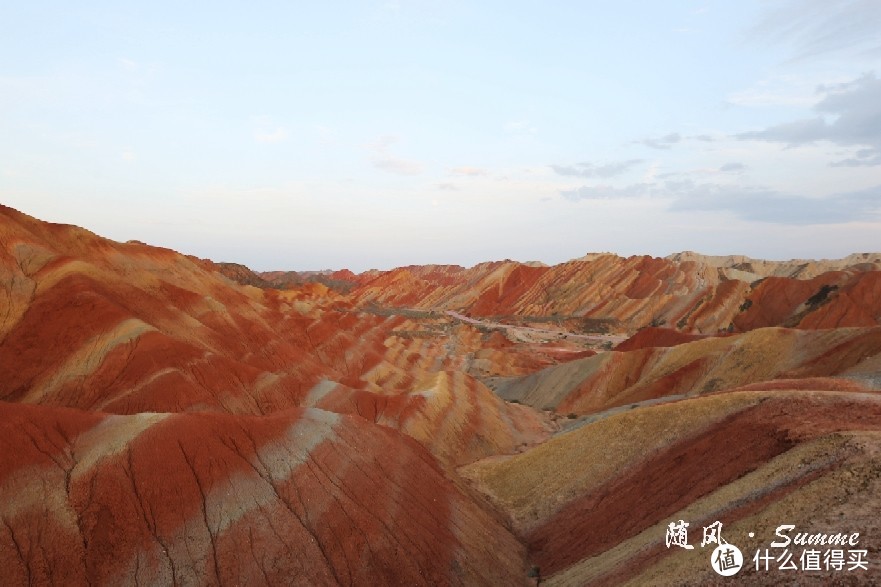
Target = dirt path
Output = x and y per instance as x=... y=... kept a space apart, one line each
x=530 y=333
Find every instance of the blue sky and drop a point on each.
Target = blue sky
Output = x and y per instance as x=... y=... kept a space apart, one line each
x=294 y=135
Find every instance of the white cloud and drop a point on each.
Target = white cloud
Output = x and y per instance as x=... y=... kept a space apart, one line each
x=468 y=171
x=594 y=170
x=848 y=115
x=276 y=135
x=520 y=127
x=127 y=64
x=383 y=142
x=663 y=143
x=398 y=166
x=751 y=203
x=606 y=192
x=326 y=135
x=770 y=95
x=651 y=173
x=816 y=28
x=385 y=161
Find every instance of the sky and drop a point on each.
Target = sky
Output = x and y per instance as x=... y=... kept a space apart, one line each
x=375 y=134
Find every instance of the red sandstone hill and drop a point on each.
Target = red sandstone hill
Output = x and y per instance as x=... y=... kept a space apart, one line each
x=163 y=420
x=125 y=328
x=342 y=281
x=690 y=295
x=303 y=497
x=621 y=378
x=593 y=504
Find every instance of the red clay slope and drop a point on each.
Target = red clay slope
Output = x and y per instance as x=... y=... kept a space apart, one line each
x=210 y=473
x=95 y=324
x=302 y=497
x=688 y=470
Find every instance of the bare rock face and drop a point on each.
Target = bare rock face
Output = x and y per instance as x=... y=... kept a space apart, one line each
x=171 y=420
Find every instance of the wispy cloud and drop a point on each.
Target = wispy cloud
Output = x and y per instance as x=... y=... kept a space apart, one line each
x=276 y=135
x=776 y=93
x=665 y=142
x=766 y=205
x=755 y=203
x=520 y=127
x=383 y=142
x=604 y=170
x=127 y=64
x=468 y=171
x=607 y=192
x=385 y=161
x=450 y=187
x=862 y=158
x=820 y=27
x=266 y=130
x=733 y=168
x=398 y=166
x=326 y=135
x=855 y=112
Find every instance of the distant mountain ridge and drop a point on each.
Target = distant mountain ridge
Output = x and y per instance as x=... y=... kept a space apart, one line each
x=795 y=268
x=687 y=291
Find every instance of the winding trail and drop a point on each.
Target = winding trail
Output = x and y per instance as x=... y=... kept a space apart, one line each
x=540 y=332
